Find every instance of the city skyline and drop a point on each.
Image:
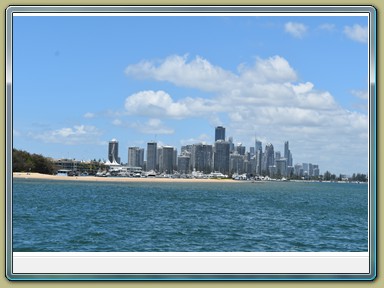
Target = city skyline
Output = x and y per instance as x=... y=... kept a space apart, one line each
x=81 y=81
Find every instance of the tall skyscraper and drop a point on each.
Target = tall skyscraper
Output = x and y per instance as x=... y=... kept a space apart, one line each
x=288 y=154
x=240 y=149
x=135 y=157
x=258 y=146
x=219 y=133
x=183 y=164
x=151 y=156
x=201 y=157
x=166 y=155
x=113 y=151
x=268 y=158
x=221 y=157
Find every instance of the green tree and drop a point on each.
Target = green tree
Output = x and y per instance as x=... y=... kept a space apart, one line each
x=23 y=161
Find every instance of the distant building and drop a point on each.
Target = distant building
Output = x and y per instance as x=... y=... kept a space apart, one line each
x=236 y=163
x=166 y=155
x=268 y=159
x=202 y=157
x=113 y=151
x=240 y=149
x=258 y=158
x=135 y=157
x=231 y=144
x=219 y=133
x=183 y=164
x=221 y=157
x=281 y=167
x=258 y=146
x=66 y=164
x=288 y=154
x=151 y=156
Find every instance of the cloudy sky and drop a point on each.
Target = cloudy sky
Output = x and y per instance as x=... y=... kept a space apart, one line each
x=81 y=81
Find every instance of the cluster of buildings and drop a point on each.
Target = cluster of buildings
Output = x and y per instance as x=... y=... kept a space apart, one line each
x=221 y=157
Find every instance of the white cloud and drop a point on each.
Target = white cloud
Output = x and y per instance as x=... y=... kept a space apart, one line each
x=89 y=115
x=357 y=33
x=117 y=122
x=198 y=73
x=327 y=27
x=16 y=133
x=160 y=104
x=265 y=99
x=152 y=126
x=203 y=138
x=361 y=94
x=297 y=30
x=79 y=134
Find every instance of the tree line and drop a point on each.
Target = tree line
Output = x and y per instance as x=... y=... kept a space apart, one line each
x=23 y=161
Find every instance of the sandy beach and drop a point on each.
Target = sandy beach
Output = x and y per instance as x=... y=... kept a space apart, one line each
x=114 y=179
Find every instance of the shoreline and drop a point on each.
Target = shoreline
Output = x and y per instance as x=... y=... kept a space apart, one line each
x=25 y=175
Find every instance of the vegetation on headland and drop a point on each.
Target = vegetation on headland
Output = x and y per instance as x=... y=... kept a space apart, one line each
x=23 y=161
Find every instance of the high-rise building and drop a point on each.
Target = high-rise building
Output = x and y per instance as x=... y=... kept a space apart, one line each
x=258 y=146
x=151 y=156
x=281 y=167
x=219 y=133
x=183 y=164
x=268 y=159
x=201 y=157
x=231 y=144
x=166 y=155
x=221 y=157
x=288 y=154
x=135 y=157
x=113 y=151
x=236 y=163
x=240 y=149
x=258 y=158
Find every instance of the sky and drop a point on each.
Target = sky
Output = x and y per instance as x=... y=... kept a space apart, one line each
x=79 y=82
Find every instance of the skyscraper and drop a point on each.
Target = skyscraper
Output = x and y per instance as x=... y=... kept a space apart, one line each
x=166 y=155
x=268 y=158
x=151 y=156
x=113 y=151
x=288 y=154
x=258 y=146
x=183 y=164
x=221 y=157
x=219 y=133
x=135 y=157
x=201 y=157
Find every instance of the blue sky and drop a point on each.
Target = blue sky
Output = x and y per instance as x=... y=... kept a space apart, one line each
x=81 y=81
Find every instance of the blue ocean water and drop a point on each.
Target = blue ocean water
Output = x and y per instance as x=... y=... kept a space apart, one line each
x=82 y=216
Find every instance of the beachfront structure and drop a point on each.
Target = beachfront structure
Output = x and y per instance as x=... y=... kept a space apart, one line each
x=135 y=157
x=151 y=156
x=66 y=164
x=221 y=157
x=219 y=133
x=113 y=151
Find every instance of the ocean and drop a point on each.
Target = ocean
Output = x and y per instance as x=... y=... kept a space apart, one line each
x=79 y=216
